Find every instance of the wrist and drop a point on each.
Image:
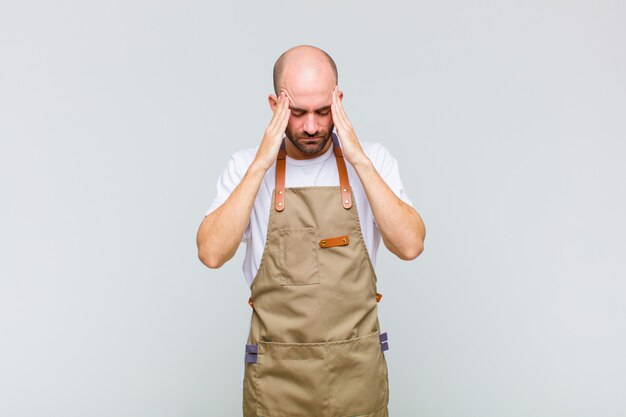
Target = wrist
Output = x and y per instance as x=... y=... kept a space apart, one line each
x=257 y=168
x=362 y=163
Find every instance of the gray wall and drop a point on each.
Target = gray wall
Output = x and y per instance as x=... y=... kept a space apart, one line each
x=508 y=122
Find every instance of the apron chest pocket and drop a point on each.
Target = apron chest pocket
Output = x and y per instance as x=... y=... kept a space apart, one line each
x=297 y=260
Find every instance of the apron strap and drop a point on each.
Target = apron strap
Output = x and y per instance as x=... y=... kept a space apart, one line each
x=344 y=182
x=280 y=177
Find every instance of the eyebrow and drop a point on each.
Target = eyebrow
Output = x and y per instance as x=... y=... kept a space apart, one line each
x=293 y=108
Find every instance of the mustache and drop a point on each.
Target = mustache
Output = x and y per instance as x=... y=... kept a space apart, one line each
x=319 y=135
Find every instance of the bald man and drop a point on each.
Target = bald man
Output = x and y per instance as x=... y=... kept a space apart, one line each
x=312 y=203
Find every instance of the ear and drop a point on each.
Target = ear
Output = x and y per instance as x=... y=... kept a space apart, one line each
x=273 y=101
x=339 y=93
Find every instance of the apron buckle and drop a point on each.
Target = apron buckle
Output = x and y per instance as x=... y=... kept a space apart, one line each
x=251 y=353
x=384 y=345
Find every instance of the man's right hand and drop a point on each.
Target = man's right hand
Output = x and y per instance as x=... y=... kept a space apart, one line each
x=268 y=150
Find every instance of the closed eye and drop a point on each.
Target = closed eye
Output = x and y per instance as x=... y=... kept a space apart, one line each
x=322 y=111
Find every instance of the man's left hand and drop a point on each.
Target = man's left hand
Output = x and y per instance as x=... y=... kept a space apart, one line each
x=350 y=145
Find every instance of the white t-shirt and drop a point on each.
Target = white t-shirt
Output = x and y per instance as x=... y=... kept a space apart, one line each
x=318 y=171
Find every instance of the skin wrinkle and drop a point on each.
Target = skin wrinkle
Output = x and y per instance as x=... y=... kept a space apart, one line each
x=307 y=76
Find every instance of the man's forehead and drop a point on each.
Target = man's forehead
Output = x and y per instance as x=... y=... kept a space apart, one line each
x=308 y=100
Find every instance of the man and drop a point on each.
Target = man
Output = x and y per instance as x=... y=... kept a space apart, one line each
x=311 y=206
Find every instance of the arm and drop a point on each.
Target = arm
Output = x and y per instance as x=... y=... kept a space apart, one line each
x=401 y=227
x=221 y=230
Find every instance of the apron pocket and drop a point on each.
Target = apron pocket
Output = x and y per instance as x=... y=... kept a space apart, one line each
x=297 y=261
x=358 y=376
x=291 y=380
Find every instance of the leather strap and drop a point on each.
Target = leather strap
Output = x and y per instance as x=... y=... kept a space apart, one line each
x=344 y=183
x=334 y=241
x=281 y=161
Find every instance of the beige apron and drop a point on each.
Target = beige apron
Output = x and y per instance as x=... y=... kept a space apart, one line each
x=315 y=347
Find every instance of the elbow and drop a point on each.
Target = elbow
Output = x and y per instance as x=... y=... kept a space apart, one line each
x=209 y=259
x=416 y=247
x=207 y=252
x=412 y=252
x=408 y=250
x=414 y=241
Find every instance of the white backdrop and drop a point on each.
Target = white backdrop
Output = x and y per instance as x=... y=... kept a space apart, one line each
x=508 y=122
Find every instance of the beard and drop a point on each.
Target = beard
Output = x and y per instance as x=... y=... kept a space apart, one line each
x=310 y=144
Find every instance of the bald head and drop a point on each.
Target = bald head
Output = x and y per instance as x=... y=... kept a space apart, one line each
x=304 y=60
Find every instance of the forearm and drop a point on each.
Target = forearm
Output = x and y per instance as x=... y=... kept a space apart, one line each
x=220 y=233
x=401 y=227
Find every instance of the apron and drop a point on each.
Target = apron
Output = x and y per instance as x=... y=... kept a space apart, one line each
x=315 y=347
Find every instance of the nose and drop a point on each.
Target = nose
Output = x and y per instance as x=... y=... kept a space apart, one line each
x=310 y=124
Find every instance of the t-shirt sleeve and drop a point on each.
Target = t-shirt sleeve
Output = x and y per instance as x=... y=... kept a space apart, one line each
x=226 y=183
x=387 y=167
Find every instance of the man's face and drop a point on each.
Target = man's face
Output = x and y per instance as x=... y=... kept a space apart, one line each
x=310 y=123
x=310 y=97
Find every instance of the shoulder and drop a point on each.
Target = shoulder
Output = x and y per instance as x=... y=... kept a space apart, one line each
x=241 y=160
x=387 y=166
x=373 y=149
x=245 y=156
x=380 y=156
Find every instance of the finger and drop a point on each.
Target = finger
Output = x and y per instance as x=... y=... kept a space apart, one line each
x=337 y=104
x=286 y=112
x=333 y=106
x=277 y=112
x=340 y=109
x=282 y=117
x=341 y=115
x=337 y=118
